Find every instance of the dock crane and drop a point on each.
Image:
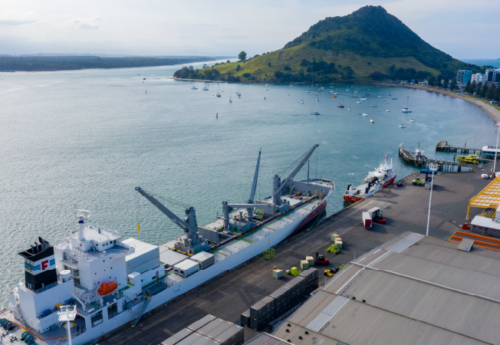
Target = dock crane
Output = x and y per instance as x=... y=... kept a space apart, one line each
x=192 y=241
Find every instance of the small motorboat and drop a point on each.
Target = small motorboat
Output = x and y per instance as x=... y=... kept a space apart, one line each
x=349 y=109
x=412 y=120
x=301 y=102
x=388 y=110
x=372 y=105
x=307 y=91
x=194 y=88
x=358 y=102
x=469 y=159
x=364 y=114
x=371 y=121
x=363 y=98
x=315 y=113
x=205 y=88
x=340 y=105
x=402 y=126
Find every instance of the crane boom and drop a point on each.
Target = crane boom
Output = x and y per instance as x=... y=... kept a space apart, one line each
x=295 y=171
x=255 y=178
x=189 y=226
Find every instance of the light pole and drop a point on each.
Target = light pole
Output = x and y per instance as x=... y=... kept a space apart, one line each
x=433 y=168
x=67 y=314
x=496 y=149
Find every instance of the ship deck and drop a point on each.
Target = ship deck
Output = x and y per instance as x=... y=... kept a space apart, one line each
x=228 y=295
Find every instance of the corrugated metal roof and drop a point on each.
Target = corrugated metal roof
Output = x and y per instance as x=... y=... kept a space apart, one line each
x=471 y=316
x=328 y=312
x=265 y=339
x=415 y=292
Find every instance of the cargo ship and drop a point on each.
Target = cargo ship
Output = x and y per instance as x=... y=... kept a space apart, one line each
x=381 y=177
x=94 y=281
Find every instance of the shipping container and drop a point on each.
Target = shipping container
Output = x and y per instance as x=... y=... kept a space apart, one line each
x=204 y=259
x=304 y=264
x=281 y=301
x=189 y=340
x=212 y=334
x=205 y=341
x=231 y=336
x=202 y=322
x=186 y=268
x=310 y=280
x=245 y=318
x=146 y=266
x=177 y=337
x=277 y=274
x=143 y=253
x=367 y=220
x=297 y=290
x=262 y=313
x=169 y=258
x=210 y=326
x=310 y=259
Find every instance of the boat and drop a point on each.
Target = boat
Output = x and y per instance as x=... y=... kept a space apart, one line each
x=382 y=177
x=218 y=91
x=340 y=105
x=363 y=98
x=205 y=88
x=372 y=105
x=307 y=91
x=365 y=114
x=230 y=100
x=490 y=151
x=333 y=96
x=194 y=88
x=388 y=110
x=349 y=109
x=301 y=102
x=315 y=113
x=413 y=121
x=74 y=274
x=371 y=121
x=407 y=109
x=267 y=89
x=394 y=99
x=358 y=102
x=238 y=94
x=402 y=125
x=469 y=159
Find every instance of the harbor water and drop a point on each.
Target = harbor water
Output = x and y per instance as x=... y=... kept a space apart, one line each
x=85 y=139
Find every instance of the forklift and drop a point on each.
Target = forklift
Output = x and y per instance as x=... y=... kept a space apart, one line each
x=331 y=272
x=321 y=259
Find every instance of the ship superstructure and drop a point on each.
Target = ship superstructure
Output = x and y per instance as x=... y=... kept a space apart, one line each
x=381 y=177
x=113 y=281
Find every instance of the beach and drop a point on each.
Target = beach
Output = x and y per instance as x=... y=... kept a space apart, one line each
x=490 y=110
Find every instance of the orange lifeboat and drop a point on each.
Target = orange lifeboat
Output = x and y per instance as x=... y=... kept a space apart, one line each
x=107 y=288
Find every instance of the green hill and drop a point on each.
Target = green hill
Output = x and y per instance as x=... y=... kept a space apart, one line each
x=369 y=44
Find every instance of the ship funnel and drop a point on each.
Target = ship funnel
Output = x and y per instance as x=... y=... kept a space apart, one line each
x=80 y=235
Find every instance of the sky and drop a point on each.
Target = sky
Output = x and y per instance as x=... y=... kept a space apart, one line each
x=462 y=28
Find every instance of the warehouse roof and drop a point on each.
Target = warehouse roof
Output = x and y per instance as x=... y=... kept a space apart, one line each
x=411 y=290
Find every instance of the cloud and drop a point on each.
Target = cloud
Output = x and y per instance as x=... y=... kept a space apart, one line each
x=15 y=19
x=86 y=23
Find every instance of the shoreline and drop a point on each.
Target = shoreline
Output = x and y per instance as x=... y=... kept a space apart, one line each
x=490 y=110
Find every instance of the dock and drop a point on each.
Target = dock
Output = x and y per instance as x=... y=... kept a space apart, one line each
x=443 y=146
x=421 y=161
x=230 y=294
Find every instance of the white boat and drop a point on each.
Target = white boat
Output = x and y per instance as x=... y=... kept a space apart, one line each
x=402 y=126
x=301 y=102
x=194 y=88
x=205 y=88
x=407 y=109
x=371 y=121
x=365 y=114
x=230 y=100
x=381 y=177
x=349 y=109
x=388 y=110
x=363 y=98
x=358 y=102
x=111 y=281
x=315 y=113
x=307 y=91
x=412 y=120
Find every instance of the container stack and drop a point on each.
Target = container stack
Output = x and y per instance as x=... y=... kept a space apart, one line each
x=208 y=331
x=297 y=288
x=281 y=300
x=304 y=264
x=262 y=313
x=310 y=259
x=310 y=279
x=245 y=318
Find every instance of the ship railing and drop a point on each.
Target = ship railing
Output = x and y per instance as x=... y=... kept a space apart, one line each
x=96 y=255
x=46 y=287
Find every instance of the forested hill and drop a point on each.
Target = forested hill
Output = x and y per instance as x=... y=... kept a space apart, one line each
x=56 y=63
x=369 y=44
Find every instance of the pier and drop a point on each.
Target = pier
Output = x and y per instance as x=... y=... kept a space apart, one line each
x=443 y=146
x=230 y=294
x=422 y=161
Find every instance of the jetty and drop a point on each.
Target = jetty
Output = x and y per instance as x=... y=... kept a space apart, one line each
x=419 y=160
x=443 y=146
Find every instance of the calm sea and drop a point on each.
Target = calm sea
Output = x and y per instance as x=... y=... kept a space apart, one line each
x=87 y=138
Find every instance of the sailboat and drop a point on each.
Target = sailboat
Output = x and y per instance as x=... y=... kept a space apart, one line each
x=316 y=111
x=238 y=94
x=407 y=109
x=349 y=109
x=230 y=100
x=218 y=91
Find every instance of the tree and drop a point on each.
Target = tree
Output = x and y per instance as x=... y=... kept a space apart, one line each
x=432 y=80
x=483 y=91
x=377 y=76
x=496 y=93
x=242 y=55
x=467 y=87
x=453 y=84
x=238 y=67
x=490 y=92
x=477 y=89
x=228 y=61
x=472 y=87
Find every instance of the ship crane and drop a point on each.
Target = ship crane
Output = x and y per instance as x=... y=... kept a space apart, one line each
x=278 y=186
x=189 y=224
